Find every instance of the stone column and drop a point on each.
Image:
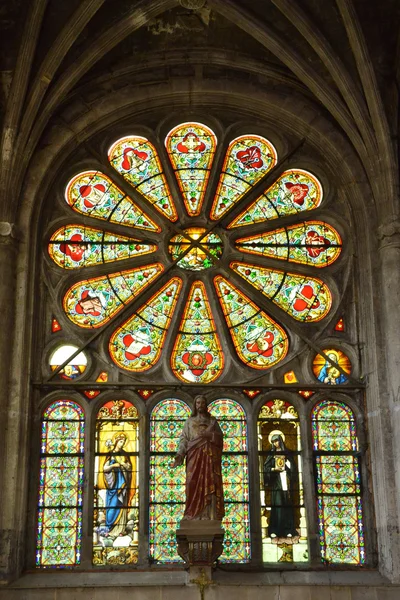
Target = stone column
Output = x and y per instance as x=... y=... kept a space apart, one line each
x=8 y=535
x=389 y=251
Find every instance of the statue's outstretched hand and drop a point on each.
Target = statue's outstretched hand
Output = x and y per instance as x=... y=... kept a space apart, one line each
x=178 y=461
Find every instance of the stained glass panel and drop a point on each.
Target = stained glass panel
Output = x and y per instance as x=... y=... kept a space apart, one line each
x=247 y=160
x=116 y=485
x=136 y=345
x=167 y=484
x=59 y=529
x=338 y=483
x=283 y=516
x=328 y=373
x=94 y=195
x=197 y=355
x=295 y=191
x=93 y=302
x=309 y=243
x=74 y=246
x=196 y=259
x=235 y=476
x=303 y=298
x=137 y=161
x=191 y=149
x=75 y=366
x=259 y=341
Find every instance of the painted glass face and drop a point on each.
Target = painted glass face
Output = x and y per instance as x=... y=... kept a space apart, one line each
x=188 y=258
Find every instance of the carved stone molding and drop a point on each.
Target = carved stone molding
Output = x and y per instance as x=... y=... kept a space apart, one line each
x=389 y=233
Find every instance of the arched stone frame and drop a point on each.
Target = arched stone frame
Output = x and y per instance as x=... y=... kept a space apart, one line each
x=333 y=153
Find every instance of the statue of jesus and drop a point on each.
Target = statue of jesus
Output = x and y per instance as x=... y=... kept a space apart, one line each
x=201 y=443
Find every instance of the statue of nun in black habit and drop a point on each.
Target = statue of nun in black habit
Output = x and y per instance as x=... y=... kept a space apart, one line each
x=281 y=479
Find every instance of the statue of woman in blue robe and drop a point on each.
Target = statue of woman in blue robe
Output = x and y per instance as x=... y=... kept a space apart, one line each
x=117 y=472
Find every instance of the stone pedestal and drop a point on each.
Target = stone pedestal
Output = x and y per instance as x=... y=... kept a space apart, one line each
x=199 y=542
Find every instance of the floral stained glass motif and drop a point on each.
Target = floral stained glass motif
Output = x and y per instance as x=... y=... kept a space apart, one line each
x=94 y=195
x=295 y=191
x=59 y=532
x=116 y=485
x=191 y=149
x=235 y=476
x=137 y=161
x=167 y=484
x=247 y=160
x=196 y=259
x=74 y=246
x=328 y=373
x=93 y=302
x=283 y=516
x=338 y=483
x=304 y=298
x=309 y=243
x=137 y=344
x=197 y=355
x=259 y=341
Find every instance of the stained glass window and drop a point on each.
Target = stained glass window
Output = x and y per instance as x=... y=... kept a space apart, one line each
x=247 y=160
x=191 y=149
x=338 y=475
x=137 y=160
x=75 y=366
x=59 y=514
x=283 y=516
x=197 y=355
x=333 y=371
x=116 y=485
x=167 y=484
x=294 y=192
x=235 y=476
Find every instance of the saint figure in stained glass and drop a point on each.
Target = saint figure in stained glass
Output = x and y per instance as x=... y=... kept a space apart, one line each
x=281 y=478
x=201 y=443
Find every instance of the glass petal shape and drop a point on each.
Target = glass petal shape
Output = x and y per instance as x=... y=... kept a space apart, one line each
x=93 y=302
x=308 y=243
x=191 y=149
x=303 y=298
x=137 y=161
x=74 y=246
x=259 y=341
x=295 y=191
x=137 y=344
x=197 y=355
x=247 y=160
x=93 y=194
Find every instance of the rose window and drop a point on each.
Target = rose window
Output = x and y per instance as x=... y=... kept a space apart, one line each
x=176 y=255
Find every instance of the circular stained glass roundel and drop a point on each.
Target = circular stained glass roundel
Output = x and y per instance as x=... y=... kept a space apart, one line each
x=198 y=258
x=244 y=306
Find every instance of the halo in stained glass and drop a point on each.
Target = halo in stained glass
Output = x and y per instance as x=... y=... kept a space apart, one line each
x=197 y=355
x=309 y=243
x=328 y=373
x=295 y=191
x=74 y=246
x=247 y=160
x=137 y=344
x=198 y=258
x=137 y=160
x=75 y=366
x=259 y=341
x=191 y=149
x=304 y=298
x=93 y=194
x=93 y=302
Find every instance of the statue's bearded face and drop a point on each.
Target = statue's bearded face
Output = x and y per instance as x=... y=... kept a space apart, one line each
x=201 y=405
